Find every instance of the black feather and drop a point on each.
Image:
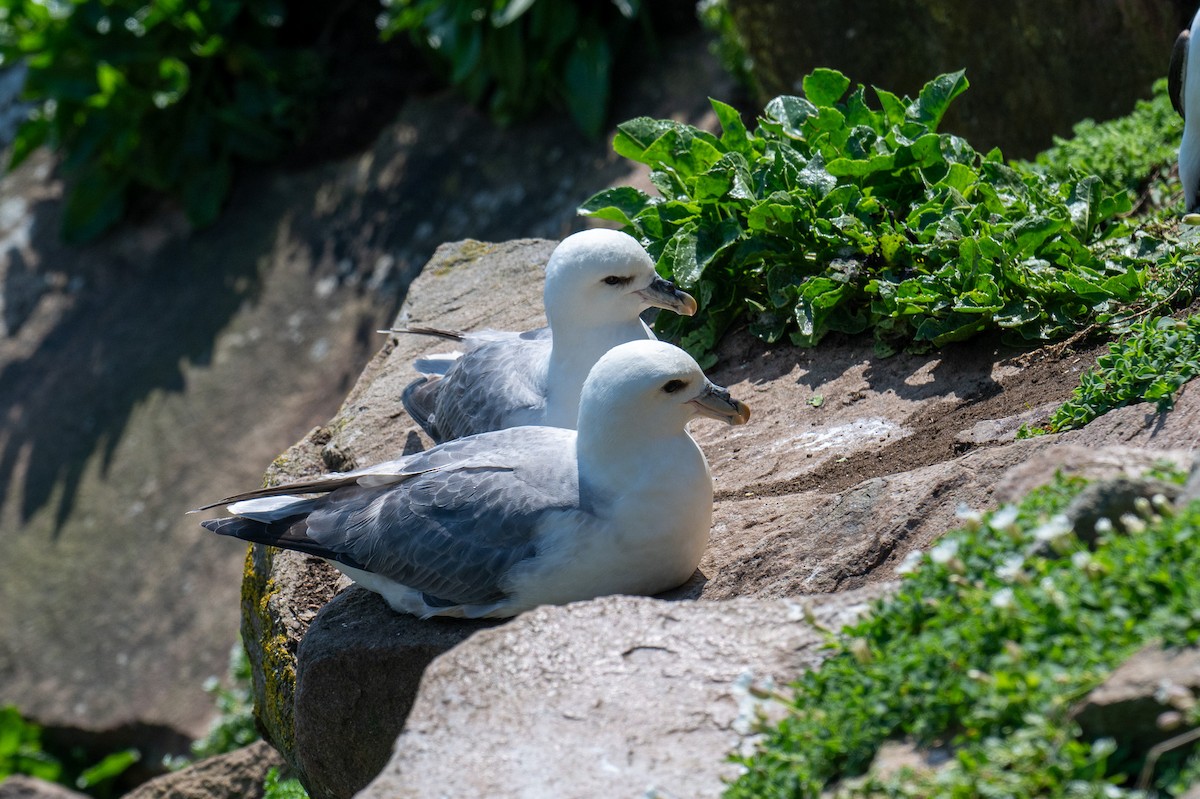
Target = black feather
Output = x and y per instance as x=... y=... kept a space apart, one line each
x=288 y=533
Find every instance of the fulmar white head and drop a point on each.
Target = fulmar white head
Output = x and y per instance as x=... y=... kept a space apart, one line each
x=1183 y=82
x=598 y=282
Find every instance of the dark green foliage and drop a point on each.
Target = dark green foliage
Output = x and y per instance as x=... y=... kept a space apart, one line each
x=995 y=635
x=21 y=748
x=517 y=56
x=234 y=726
x=275 y=788
x=832 y=215
x=21 y=752
x=1149 y=364
x=164 y=95
x=1134 y=152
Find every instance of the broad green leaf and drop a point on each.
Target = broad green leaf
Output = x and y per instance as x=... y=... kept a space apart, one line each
x=825 y=87
x=679 y=257
x=894 y=109
x=959 y=177
x=620 y=204
x=853 y=168
x=935 y=97
x=683 y=149
x=791 y=113
x=733 y=131
x=636 y=135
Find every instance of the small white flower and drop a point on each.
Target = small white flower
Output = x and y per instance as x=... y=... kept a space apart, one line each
x=1011 y=568
x=967 y=513
x=1056 y=528
x=1132 y=524
x=1104 y=526
x=1004 y=599
x=1081 y=559
x=1052 y=592
x=911 y=562
x=1005 y=517
x=944 y=552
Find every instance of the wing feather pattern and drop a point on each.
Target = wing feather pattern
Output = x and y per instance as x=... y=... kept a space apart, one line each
x=498 y=384
x=462 y=516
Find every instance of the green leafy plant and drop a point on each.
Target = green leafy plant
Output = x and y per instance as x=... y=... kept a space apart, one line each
x=832 y=215
x=989 y=642
x=275 y=788
x=21 y=752
x=21 y=748
x=1135 y=152
x=1148 y=364
x=518 y=56
x=234 y=726
x=153 y=94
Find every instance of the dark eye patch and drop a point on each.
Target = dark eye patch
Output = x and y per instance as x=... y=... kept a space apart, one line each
x=616 y=280
x=674 y=385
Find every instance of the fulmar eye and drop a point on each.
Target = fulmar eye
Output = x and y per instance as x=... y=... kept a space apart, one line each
x=674 y=385
x=616 y=280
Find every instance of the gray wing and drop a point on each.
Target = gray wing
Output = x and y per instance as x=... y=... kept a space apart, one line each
x=1177 y=71
x=454 y=531
x=496 y=385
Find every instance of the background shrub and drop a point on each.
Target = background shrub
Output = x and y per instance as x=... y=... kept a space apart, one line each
x=515 y=57
x=164 y=95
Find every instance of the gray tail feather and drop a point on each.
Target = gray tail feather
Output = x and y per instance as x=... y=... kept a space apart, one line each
x=417 y=330
x=289 y=533
x=420 y=400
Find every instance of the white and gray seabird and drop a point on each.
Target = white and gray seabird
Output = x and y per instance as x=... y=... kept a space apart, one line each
x=495 y=524
x=1183 y=85
x=598 y=282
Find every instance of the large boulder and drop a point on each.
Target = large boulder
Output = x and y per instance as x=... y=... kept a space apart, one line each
x=240 y=774
x=19 y=786
x=1036 y=66
x=620 y=696
x=812 y=496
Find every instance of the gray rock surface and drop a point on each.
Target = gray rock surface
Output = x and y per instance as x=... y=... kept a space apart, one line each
x=619 y=696
x=1034 y=65
x=235 y=775
x=19 y=786
x=357 y=673
x=1127 y=706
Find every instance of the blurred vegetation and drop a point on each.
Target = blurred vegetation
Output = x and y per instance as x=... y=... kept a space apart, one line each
x=164 y=95
x=22 y=752
x=516 y=57
x=168 y=96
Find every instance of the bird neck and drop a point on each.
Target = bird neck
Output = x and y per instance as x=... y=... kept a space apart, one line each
x=573 y=353
x=613 y=460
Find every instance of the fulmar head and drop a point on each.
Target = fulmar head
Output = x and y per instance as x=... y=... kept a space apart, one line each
x=652 y=388
x=604 y=277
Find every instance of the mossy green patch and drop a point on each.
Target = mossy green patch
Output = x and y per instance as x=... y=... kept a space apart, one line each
x=467 y=252
x=272 y=659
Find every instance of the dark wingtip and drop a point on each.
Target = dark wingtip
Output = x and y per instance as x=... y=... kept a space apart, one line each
x=419 y=398
x=1177 y=70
